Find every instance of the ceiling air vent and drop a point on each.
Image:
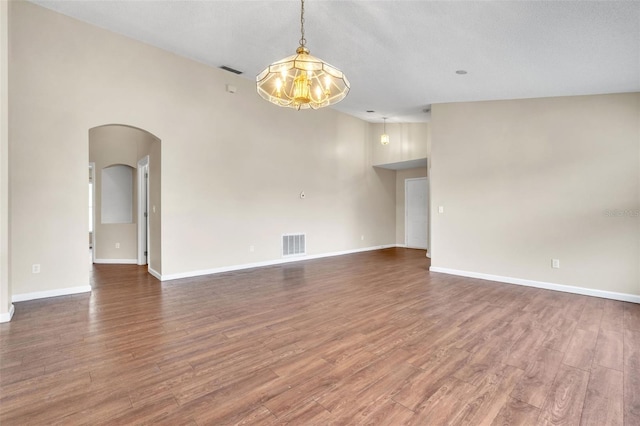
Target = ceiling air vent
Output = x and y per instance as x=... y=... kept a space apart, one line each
x=226 y=68
x=294 y=245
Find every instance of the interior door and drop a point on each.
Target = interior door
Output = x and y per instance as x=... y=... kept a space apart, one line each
x=416 y=213
x=143 y=211
x=145 y=204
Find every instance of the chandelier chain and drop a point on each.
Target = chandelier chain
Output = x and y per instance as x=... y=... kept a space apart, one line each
x=303 y=41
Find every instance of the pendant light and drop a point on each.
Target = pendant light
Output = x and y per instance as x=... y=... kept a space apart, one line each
x=384 y=137
x=302 y=81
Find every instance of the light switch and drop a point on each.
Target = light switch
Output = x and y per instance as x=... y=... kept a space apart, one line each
x=440 y=209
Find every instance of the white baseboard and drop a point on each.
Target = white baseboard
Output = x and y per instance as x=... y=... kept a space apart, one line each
x=6 y=317
x=50 y=293
x=198 y=273
x=625 y=297
x=154 y=273
x=117 y=261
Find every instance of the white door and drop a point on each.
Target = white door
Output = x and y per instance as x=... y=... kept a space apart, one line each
x=92 y=218
x=145 y=225
x=416 y=193
x=143 y=209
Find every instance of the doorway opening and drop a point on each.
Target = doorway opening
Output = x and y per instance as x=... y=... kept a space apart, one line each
x=126 y=163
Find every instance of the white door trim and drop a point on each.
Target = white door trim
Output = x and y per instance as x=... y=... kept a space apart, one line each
x=143 y=205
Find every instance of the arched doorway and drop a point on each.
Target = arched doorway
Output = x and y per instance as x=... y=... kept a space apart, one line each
x=126 y=183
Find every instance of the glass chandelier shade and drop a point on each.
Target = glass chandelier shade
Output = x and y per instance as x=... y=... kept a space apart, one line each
x=302 y=81
x=384 y=137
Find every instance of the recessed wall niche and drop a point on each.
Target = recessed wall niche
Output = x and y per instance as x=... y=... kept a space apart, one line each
x=117 y=194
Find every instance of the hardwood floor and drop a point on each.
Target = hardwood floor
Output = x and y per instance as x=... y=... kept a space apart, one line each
x=370 y=338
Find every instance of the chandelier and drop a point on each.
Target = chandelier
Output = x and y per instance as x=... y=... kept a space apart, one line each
x=384 y=137
x=302 y=81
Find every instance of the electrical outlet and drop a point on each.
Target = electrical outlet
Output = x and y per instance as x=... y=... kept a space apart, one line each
x=361 y=237
x=35 y=268
x=252 y=249
x=117 y=245
x=555 y=263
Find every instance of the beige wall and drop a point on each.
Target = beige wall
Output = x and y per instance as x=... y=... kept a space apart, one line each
x=232 y=165
x=110 y=145
x=525 y=181
x=401 y=175
x=408 y=141
x=5 y=292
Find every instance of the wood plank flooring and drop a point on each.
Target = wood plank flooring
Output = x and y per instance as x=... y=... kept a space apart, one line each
x=371 y=338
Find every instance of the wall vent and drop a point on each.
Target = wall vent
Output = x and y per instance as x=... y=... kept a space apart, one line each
x=226 y=68
x=294 y=245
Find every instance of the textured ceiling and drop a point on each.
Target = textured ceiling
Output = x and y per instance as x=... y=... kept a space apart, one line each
x=401 y=56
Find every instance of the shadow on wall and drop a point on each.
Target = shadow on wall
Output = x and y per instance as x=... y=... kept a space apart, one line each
x=127 y=182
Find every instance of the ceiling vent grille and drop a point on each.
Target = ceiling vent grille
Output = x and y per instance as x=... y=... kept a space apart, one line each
x=294 y=245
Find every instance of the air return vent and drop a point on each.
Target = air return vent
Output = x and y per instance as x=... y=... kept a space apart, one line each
x=226 y=68
x=294 y=245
